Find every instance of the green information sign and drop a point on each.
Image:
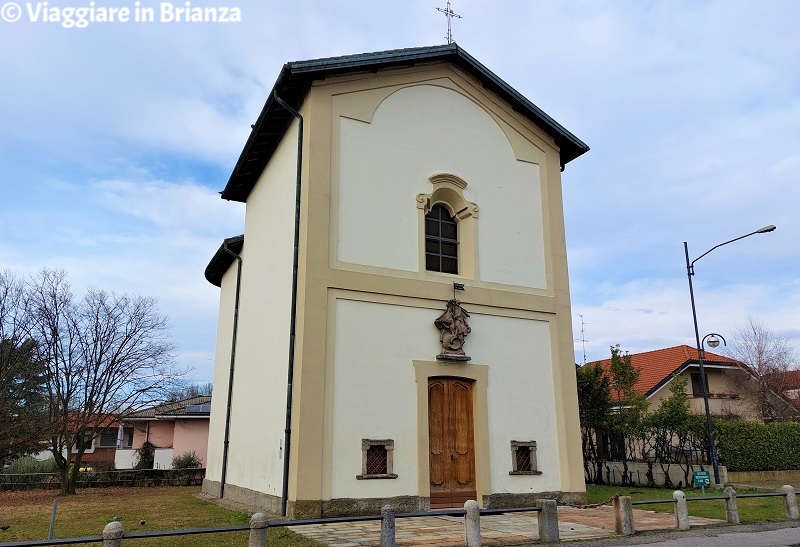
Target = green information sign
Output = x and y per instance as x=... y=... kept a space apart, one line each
x=701 y=478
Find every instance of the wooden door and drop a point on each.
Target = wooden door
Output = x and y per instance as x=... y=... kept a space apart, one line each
x=452 y=446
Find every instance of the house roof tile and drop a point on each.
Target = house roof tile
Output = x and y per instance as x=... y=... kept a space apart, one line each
x=658 y=365
x=177 y=408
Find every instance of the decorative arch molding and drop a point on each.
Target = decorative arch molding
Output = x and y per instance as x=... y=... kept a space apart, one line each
x=528 y=143
x=448 y=190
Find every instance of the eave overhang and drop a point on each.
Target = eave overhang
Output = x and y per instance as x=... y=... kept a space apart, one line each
x=296 y=78
x=692 y=363
x=222 y=259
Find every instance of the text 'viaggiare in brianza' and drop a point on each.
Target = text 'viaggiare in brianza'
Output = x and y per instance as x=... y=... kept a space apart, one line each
x=83 y=15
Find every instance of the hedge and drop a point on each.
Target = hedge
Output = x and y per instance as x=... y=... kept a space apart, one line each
x=749 y=446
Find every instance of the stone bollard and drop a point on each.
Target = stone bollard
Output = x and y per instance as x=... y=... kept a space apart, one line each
x=472 y=524
x=112 y=534
x=731 y=506
x=681 y=510
x=258 y=530
x=790 y=502
x=548 y=521
x=623 y=516
x=387 y=526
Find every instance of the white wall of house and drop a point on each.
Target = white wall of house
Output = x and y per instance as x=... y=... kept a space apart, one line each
x=259 y=394
x=419 y=131
x=162 y=458
x=374 y=393
x=126 y=458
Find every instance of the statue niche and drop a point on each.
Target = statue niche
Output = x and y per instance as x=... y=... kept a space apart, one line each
x=452 y=325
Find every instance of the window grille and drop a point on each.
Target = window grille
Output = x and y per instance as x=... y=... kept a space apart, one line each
x=523 y=458
x=376 y=459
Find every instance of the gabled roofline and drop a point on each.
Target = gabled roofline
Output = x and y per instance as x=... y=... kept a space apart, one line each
x=692 y=362
x=171 y=409
x=295 y=80
x=222 y=260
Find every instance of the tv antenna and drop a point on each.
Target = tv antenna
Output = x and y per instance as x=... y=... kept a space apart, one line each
x=449 y=13
x=583 y=336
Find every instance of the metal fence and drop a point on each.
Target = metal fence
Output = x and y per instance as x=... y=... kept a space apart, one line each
x=125 y=477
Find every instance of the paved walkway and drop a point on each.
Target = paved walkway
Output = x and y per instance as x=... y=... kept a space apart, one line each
x=509 y=529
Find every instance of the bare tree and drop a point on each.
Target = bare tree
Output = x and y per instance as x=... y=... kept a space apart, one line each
x=23 y=412
x=105 y=355
x=768 y=357
x=185 y=390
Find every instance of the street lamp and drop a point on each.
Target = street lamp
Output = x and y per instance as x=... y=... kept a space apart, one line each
x=713 y=340
x=712 y=453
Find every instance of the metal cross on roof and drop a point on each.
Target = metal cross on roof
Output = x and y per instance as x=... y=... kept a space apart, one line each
x=449 y=13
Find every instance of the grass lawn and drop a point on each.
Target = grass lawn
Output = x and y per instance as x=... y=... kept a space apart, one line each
x=750 y=509
x=164 y=508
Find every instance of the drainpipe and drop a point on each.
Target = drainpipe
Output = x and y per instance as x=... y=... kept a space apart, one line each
x=230 y=376
x=287 y=432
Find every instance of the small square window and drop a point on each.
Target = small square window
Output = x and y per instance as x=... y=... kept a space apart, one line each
x=377 y=459
x=523 y=458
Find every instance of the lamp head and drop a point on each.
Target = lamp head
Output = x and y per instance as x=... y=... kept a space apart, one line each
x=713 y=341
x=766 y=229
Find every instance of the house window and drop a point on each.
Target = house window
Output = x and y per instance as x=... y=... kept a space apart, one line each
x=377 y=459
x=108 y=439
x=127 y=438
x=441 y=241
x=697 y=384
x=523 y=458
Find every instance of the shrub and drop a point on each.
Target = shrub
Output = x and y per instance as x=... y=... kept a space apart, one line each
x=29 y=464
x=147 y=456
x=749 y=446
x=187 y=460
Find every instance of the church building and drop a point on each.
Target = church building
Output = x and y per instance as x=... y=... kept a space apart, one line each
x=395 y=324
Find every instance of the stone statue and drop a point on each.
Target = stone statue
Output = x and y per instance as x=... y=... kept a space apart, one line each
x=453 y=327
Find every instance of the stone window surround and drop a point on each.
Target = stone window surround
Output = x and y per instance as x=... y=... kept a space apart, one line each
x=524 y=445
x=388 y=444
x=448 y=190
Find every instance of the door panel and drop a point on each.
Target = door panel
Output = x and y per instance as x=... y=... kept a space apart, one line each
x=452 y=449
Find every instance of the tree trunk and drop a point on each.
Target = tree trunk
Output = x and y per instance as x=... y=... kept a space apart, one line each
x=65 y=481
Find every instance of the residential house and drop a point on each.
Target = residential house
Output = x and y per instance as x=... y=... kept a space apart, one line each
x=399 y=300
x=112 y=434
x=789 y=384
x=733 y=391
x=173 y=428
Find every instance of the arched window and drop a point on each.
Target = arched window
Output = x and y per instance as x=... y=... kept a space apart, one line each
x=441 y=241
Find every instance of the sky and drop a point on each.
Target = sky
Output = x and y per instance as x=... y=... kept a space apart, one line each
x=116 y=138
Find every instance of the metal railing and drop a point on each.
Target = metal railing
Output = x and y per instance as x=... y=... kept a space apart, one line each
x=623 y=507
x=114 y=534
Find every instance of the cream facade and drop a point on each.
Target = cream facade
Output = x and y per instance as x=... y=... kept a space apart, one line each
x=732 y=393
x=380 y=149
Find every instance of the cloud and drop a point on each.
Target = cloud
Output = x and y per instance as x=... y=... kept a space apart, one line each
x=116 y=138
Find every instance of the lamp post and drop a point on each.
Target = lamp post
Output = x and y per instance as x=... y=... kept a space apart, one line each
x=712 y=453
